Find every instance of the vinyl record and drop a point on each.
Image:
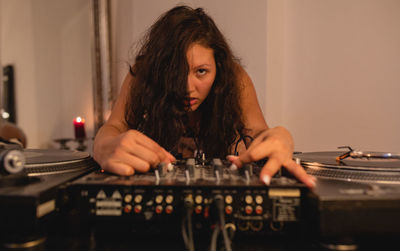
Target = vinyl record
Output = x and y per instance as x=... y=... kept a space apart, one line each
x=325 y=165
x=54 y=161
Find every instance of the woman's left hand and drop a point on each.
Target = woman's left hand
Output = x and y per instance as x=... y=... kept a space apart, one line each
x=277 y=145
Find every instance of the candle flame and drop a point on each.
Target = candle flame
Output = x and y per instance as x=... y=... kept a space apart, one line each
x=79 y=120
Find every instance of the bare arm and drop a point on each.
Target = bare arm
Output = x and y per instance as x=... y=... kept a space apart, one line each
x=123 y=151
x=275 y=143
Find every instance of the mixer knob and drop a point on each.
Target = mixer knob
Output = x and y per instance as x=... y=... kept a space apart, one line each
x=218 y=167
x=170 y=167
x=162 y=169
x=190 y=165
x=248 y=168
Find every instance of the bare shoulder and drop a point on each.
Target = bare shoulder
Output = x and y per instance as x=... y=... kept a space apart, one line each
x=252 y=113
x=117 y=116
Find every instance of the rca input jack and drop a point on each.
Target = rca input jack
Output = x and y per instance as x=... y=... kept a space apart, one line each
x=243 y=225
x=256 y=226
x=276 y=225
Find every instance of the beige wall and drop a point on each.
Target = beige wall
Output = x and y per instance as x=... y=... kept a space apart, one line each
x=48 y=42
x=335 y=67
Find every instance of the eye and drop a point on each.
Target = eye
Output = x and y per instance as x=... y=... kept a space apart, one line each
x=201 y=71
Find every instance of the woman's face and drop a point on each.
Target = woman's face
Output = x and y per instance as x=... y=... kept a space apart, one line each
x=202 y=71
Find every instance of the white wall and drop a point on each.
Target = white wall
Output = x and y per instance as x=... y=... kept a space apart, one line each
x=48 y=42
x=337 y=72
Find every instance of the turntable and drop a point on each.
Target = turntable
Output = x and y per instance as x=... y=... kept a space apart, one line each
x=31 y=185
x=357 y=193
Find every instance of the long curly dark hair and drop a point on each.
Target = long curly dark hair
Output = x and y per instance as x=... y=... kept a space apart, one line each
x=156 y=105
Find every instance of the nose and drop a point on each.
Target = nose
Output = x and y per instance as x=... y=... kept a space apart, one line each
x=190 y=84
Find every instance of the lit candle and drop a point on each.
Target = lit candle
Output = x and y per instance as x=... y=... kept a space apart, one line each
x=79 y=126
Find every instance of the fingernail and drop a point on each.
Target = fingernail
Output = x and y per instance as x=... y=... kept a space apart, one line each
x=233 y=167
x=130 y=172
x=312 y=181
x=266 y=179
x=230 y=156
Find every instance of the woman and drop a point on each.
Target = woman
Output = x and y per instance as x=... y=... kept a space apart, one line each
x=187 y=94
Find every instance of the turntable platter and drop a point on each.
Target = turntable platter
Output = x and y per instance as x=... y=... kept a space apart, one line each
x=45 y=156
x=55 y=161
x=325 y=165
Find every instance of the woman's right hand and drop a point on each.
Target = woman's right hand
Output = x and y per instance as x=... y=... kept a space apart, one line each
x=129 y=152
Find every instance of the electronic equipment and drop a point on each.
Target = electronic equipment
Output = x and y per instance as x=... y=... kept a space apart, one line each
x=191 y=196
x=162 y=192
x=11 y=162
x=28 y=197
x=357 y=196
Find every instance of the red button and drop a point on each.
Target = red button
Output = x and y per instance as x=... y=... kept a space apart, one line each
x=198 y=209
x=259 y=210
x=169 y=209
x=138 y=209
x=159 y=209
x=248 y=209
x=228 y=210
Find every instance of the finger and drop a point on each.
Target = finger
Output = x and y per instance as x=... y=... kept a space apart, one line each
x=269 y=169
x=299 y=172
x=235 y=160
x=120 y=168
x=260 y=138
x=145 y=154
x=170 y=157
x=137 y=163
x=257 y=152
x=163 y=155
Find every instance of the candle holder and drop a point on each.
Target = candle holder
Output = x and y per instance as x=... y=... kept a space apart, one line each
x=63 y=143
x=81 y=143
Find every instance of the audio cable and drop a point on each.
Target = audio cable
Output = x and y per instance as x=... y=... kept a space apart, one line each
x=220 y=226
x=187 y=228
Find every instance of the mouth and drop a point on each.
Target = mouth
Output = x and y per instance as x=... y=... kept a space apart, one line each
x=190 y=101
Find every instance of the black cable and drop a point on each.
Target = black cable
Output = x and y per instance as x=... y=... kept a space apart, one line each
x=186 y=226
x=184 y=234
x=242 y=138
x=214 y=238
x=190 y=229
x=219 y=201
